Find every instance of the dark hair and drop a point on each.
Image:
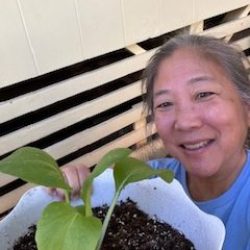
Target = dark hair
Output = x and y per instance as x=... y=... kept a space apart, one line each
x=229 y=58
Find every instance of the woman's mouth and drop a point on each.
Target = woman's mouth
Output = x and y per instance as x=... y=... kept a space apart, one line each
x=196 y=145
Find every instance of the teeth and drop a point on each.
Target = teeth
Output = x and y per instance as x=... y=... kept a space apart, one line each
x=196 y=145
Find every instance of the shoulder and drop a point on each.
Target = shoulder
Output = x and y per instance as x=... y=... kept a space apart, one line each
x=165 y=163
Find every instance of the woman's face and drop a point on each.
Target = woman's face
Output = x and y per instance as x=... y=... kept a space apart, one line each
x=199 y=115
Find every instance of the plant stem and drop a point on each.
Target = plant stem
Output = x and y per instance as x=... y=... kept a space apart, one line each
x=66 y=194
x=87 y=204
x=107 y=218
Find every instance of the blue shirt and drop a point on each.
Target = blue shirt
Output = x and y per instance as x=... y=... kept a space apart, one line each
x=232 y=207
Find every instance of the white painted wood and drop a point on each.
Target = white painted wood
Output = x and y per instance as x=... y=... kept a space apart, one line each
x=124 y=141
x=228 y=28
x=136 y=49
x=10 y=199
x=58 y=33
x=5 y=179
x=95 y=133
x=16 y=62
x=62 y=120
x=196 y=27
x=153 y=150
x=87 y=137
x=247 y=63
x=236 y=14
x=46 y=96
x=243 y=43
x=205 y=9
x=176 y=14
x=141 y=20
x=102 y=26
x=54 y=32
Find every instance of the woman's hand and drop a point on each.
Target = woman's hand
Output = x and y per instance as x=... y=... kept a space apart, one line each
x=75 y=176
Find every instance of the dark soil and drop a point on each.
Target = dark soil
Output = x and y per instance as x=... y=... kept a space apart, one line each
x=129 y=229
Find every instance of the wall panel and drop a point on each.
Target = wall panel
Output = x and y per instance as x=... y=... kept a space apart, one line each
x=17 y=62
x=53 y=31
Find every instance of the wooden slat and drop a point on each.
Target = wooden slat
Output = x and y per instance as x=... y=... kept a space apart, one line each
x=95 y=133
x=124 y=141
x=62 y=90
x=136 y=49
x=10 y=199
x=228 y=28
x=236 y=14
x=243 y=43
x=247 y=63
x=67 y=118
x=139 y=124
x=5 y=179
x=153 y=150
x=196 y=27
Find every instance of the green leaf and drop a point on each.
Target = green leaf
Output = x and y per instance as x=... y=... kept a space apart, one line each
x=130 y=170
x=166 y=175
x=80 y=209
x=35 y=166
x=67 y=229
x=107 y=161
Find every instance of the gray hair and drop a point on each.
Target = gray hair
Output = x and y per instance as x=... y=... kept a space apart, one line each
x=229 y=58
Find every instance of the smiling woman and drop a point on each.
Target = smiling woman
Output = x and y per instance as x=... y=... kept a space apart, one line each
x=198 y=91
x=204 y=116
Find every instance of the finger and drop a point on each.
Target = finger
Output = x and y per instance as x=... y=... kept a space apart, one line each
x=83 y=173
x=71 y=177
x=56 y=193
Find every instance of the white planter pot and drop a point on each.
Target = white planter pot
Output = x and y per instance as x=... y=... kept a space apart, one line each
x=168 y=202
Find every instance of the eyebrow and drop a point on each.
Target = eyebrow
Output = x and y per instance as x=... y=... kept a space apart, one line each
x=198 y=79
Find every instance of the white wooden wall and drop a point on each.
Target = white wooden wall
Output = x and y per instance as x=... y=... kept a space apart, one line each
x=38 y=37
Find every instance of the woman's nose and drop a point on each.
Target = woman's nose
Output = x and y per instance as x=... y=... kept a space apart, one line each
x=187 y=117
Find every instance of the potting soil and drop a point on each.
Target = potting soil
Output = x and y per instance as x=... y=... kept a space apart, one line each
x=129 y=229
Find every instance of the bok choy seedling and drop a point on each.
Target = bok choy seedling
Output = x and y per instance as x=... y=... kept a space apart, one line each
x=75 y=228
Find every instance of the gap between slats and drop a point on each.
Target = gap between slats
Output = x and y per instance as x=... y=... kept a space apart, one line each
x=228 y=28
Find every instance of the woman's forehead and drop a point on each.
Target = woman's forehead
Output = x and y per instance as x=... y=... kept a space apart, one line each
x=187 y=60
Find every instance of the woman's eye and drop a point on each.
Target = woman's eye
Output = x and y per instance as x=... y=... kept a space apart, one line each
x=164 y=105
x=203 y=95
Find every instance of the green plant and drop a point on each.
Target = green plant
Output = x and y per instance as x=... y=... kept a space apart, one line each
x=75 y=228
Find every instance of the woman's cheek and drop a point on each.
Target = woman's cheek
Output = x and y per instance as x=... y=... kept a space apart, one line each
x=162 y=125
